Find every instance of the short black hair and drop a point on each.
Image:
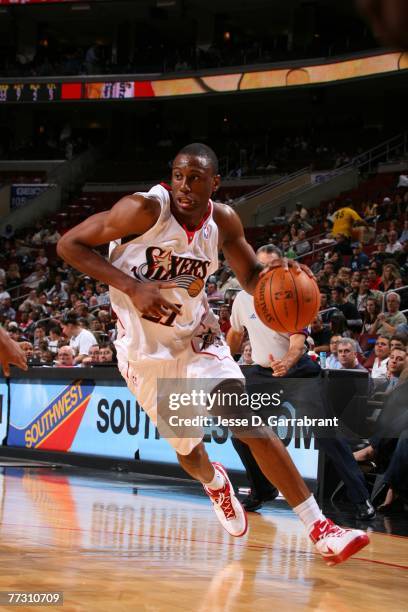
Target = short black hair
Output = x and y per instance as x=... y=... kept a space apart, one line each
x=198 y=149
x=70 y=318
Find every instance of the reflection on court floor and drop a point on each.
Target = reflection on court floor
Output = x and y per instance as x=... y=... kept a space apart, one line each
x=112 y=545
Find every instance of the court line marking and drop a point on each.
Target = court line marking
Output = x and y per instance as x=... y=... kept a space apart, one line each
x=179 y=539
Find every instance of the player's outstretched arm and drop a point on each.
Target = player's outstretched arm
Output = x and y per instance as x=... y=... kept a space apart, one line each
x=131 y=215
x=11 y=353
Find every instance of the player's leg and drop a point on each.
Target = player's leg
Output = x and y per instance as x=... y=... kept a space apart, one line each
x=276 y=464
x=216 y=484
x=189 y=447
x=332 y=542
x=198 y=465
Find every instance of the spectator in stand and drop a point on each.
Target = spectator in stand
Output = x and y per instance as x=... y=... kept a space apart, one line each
x=34 y=280
x=227 y=280
x=347 y=355
x=332 y=361
x=396 y=364
x=302 y=245
x=41 y=258
x=93 y=356
x=82 y=310
x=404 y=234
x=387 y=322
x=107 y=354
x=66 y=357
x=353 y=317
x=246 y=354
x=3 y=293
x=380 y=255
x=393 y=245
x=213 y=295
x=13 y=276
x=40 y=336
x=388 y=277
x=224 y=319
x=80 y=339
x=55 y=337
x=28 y=349
x=359 y=259
x=286 y=247
x=6 y=309
x=102 y=294
x=58 y=289
x=399 y=341
x=24 y=321
x=359 y=298
x=373 y=279
x=370 y=314
x=320 y=335
x=30 y=302
x=378 y=360
x=52 y=235
x=344 y=276
x=47 y=358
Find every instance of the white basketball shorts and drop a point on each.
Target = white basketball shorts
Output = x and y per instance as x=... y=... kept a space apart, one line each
x=215 y=362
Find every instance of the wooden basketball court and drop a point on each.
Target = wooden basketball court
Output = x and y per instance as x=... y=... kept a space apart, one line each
x=155 y=545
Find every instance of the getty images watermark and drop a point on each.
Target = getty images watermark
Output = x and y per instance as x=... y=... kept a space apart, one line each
x=198 y=403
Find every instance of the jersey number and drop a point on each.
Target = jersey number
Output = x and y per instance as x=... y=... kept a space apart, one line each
x=164 y=319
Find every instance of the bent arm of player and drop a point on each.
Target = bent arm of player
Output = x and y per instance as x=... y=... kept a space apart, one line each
x=11 y=353
x=131 y=215
x=296 y=350
x=239 y=253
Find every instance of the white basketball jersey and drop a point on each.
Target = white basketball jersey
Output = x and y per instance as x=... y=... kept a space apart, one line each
x=171 y=254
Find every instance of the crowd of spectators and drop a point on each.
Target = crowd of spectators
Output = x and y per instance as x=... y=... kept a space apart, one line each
x=61 y=319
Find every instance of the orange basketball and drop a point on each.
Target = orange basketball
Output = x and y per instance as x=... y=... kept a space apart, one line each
x=286 y=300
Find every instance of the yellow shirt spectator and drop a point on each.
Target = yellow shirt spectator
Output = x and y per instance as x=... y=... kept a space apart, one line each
x=343 y=221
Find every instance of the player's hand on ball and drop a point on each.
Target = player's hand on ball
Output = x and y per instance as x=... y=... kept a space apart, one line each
x=278 y=366
x=286 y=263
x=149 y=300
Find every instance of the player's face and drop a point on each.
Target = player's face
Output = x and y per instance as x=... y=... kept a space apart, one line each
x=192 y=181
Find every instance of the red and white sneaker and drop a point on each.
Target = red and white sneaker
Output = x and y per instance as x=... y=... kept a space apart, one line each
x=228 y=509
x=336 y=544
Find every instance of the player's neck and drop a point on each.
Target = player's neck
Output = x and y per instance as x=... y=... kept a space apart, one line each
x=193 y=221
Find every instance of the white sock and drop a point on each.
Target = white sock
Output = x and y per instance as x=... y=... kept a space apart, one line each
x=218 y=482
x=309 y=512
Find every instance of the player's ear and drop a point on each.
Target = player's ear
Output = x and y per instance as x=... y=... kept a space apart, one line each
x=216 y=182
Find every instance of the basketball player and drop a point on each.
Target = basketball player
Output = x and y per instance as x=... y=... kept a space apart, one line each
x=11 y=353
x=283 y=355
x=166 y=330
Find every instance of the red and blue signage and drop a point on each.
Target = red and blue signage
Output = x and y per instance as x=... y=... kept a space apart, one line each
x=55 y=426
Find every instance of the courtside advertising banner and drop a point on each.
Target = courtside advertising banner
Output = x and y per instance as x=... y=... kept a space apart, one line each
x=103 y=418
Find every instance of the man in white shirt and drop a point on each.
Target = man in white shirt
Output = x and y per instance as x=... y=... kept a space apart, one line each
x=393 y=245
x=80 y=339
x=284 y=355
x=382 y=352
